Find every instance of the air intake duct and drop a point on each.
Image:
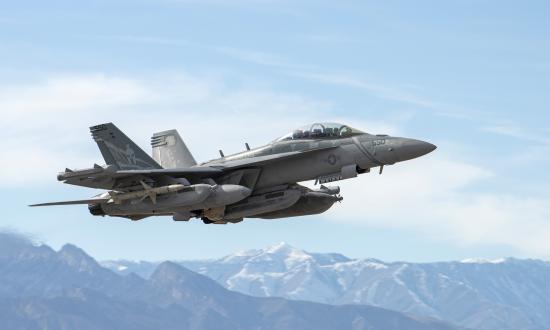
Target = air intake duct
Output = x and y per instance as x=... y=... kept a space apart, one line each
x=95 y=209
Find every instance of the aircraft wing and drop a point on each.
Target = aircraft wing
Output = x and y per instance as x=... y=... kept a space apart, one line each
x=80 y=201
x=195 y=172
x=111 y=178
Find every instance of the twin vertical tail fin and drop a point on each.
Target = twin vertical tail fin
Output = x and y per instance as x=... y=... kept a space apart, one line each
x=117 y=149
x=170 y=151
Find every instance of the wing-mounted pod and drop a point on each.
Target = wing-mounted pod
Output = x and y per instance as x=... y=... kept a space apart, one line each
x=287 y=201
x=96 y=171
x=311 y=202
x=170 y=151
x=264 y=203
x=95 y=177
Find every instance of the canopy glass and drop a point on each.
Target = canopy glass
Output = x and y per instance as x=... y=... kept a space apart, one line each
x=321 y=131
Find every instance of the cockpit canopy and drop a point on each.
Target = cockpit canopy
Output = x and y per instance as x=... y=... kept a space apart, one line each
x=321 y=131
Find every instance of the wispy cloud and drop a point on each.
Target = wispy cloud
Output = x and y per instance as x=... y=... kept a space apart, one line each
x=513 y=131
x=46 y=123
x=437 y=196
x=330 y=38
x=250 y=56
x=226 y=2
x=11 y=20
x=304 y=71
x=316 y=74
x=147 y=40
x=378 y=90
x=260 y=58
x=517 y=132
x=48 y=120
x=283 y=7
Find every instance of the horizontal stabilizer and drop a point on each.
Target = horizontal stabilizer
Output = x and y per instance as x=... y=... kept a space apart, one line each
x=81 y=201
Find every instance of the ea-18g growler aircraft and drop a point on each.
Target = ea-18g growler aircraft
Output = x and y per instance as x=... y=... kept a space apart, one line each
x=256 y=183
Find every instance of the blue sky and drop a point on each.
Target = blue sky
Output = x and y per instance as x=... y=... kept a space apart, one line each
x=470 y=76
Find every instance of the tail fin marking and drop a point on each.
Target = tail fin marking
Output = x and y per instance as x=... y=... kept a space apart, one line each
x=117 y=149
x=170 y=151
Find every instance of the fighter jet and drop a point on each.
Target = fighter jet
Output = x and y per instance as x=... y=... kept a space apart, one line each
x=256 y=183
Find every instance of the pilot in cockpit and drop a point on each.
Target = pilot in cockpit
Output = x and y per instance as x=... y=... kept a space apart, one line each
x=321 y=130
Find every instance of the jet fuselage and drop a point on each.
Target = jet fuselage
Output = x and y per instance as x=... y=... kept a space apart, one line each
x=258 y=183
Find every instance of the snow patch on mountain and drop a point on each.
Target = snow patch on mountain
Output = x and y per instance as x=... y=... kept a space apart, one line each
x=474 y=293
x=483 y=261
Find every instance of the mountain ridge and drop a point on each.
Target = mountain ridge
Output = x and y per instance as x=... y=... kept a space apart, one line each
x=41 y=288
x=505 y=293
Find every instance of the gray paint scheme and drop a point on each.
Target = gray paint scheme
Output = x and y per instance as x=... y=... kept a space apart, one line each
x=260 y=182
x=170 y=151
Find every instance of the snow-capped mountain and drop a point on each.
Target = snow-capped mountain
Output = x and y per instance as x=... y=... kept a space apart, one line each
x=41 y=288
x=480 y=294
